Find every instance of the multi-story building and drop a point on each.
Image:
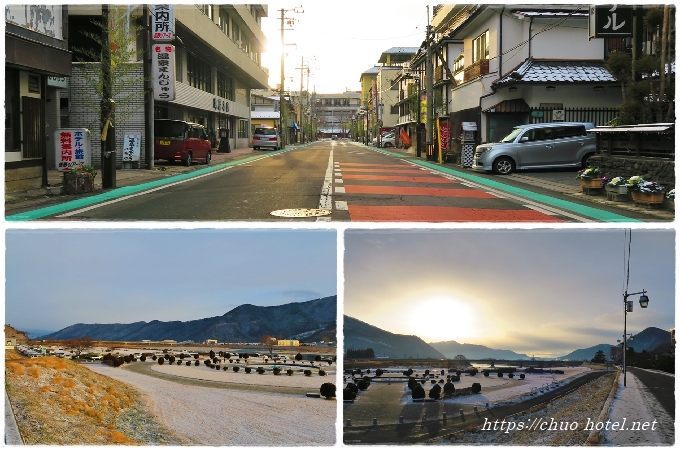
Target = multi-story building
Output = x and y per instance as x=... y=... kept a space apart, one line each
x=335 y=112
x=217 y=62
x=37 y=64
x=264 y=109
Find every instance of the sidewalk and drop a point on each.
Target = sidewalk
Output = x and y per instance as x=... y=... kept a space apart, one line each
x=36 y=198
x=635 y=404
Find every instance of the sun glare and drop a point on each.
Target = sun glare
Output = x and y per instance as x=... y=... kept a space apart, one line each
x=444 y=319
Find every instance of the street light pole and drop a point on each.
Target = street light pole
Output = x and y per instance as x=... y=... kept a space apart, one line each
x=628 y=307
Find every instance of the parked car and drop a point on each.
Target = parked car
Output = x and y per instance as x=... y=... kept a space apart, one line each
x=387 y=140
x=545 y=145
x=178 y=140
x=266 y=137
x=334 y=137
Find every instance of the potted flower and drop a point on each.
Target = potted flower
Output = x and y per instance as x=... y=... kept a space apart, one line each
x=670 y=198
x=589 y=178
x=80 y=179
x=649 y=192
x=617 y=185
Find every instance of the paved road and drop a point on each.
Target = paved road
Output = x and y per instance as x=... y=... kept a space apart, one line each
x=413 y=433
x=660 y=385
x=354 y=182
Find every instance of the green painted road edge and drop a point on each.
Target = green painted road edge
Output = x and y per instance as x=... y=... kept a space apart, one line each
x=129 y=190
x=585 y=211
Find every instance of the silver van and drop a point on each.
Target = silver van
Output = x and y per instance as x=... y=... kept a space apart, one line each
x=543 y=145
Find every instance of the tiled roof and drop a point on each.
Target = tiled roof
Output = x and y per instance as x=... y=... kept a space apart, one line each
x=551 y=71
x=397 y=50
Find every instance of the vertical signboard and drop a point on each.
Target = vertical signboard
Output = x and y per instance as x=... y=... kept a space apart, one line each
x=163 y=71
x=162 y=23
x=72 y=148
x=131 y=147
x=610 y=21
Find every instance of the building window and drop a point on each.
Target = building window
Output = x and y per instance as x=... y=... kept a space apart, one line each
x=199 y=74
x=235 y=34
x=243 y=128
x=225 y=86
x=223 y=21
x=207 y=10
x=480 y=47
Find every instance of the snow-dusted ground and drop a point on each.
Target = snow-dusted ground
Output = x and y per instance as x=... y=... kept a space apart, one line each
x=218 y=417
x=636 y=404
x=298 y=379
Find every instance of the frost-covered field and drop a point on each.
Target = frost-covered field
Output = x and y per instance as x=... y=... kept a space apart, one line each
x=298 y=379
x=494 y=389
x=217 y=417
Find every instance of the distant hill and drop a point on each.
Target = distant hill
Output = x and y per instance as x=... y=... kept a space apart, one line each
x=473 y=351
x=360 y=335
x=648 y=339
x=245 y=323
x=12 y=333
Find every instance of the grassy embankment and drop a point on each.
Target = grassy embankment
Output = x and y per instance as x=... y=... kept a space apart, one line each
x=58 y=402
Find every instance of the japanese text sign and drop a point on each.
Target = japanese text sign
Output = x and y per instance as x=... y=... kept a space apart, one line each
x=72 y=148
x=610 y=21
x=131 y=147
x=163 y=70
x=162 y=23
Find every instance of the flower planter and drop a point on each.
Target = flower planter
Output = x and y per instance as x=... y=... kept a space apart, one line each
x=79 y=183
x=592 y=186
x=648 y=198
x=617 y=193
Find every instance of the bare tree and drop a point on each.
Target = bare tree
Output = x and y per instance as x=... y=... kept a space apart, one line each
x=269 y=342
x=79 y=345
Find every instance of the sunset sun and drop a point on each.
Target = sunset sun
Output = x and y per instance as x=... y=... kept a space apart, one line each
x=444 y=318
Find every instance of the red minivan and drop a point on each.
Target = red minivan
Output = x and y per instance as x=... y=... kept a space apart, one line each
x=178 y=140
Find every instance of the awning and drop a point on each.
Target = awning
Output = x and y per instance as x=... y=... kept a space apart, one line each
x=517 y=105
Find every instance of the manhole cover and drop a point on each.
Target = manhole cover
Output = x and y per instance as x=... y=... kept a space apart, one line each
x=300 y=212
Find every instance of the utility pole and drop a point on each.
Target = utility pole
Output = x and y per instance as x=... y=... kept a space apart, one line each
x=428 y=88
x=302 y=68
x=282 y=105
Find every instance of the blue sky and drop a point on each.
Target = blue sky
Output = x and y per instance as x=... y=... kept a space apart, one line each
x=56 y=278
x=543 y=292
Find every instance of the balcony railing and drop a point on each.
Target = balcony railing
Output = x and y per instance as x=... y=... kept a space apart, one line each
x=476 y=70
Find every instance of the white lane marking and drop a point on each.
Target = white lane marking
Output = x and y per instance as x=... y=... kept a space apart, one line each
x=339 y=181
x=326 y=199
x=127 y=197
x=541 y=210
x=339 y=190
x=341 y=205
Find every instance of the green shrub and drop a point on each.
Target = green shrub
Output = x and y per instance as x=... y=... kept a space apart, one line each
x=363 y=385
x=435 y=392
x=511 y=375
x=161 y=361
x=322 y=372
x=290 y=372
x=476 y=388
x=417 y=392
x=188 y=363
x=308 y=373
x=277 y=370
x=235 y=368
x=327 y=390
x=225 y=368
x=248 y=369
x=348 y=394
x=260 y=370
x=352 y=387
x=521 y=376
x=197 y=363
x=449 y=388
x=486 y=373
x=500 y=374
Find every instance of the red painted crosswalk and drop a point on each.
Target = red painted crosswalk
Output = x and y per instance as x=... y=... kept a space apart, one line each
x=406 y=193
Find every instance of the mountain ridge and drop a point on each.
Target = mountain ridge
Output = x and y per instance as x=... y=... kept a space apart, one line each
x=245 y=323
